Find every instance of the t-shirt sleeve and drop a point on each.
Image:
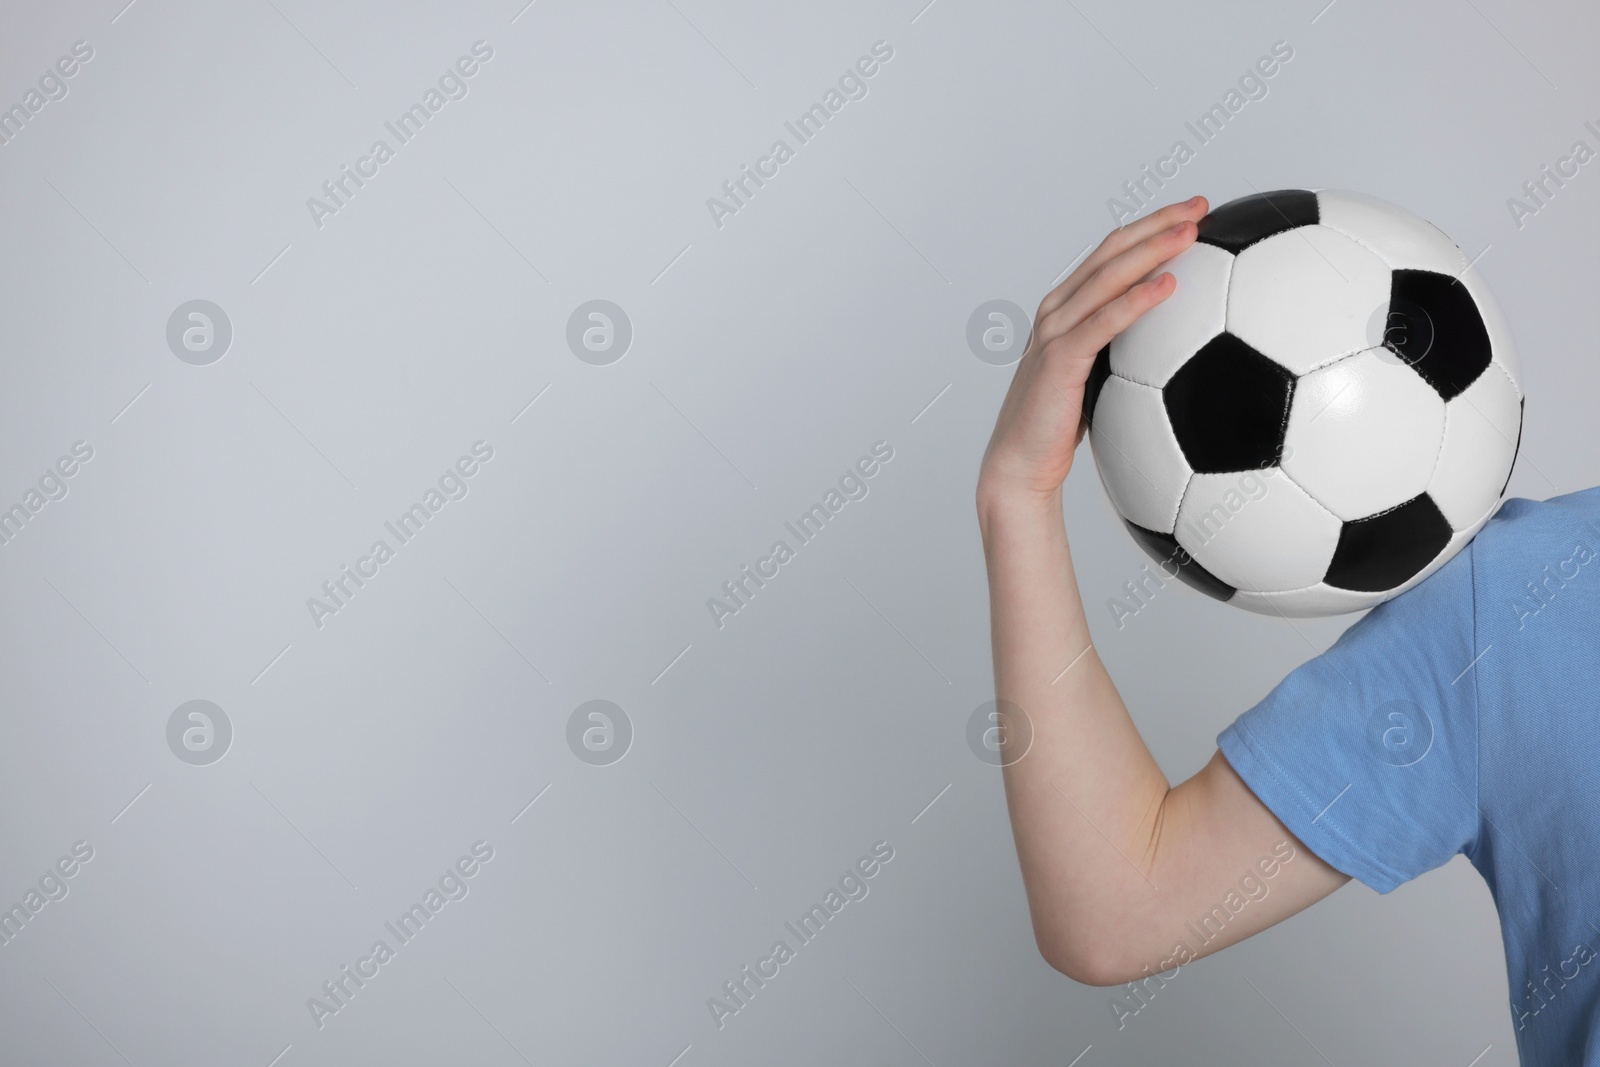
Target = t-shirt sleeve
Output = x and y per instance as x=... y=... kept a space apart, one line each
x=1368 y=753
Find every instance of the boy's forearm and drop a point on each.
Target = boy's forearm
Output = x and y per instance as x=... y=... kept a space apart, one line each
x=1086 y=799
x=1097 y=829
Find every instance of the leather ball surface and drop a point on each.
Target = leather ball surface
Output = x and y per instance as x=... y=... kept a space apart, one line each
x=1326 y=409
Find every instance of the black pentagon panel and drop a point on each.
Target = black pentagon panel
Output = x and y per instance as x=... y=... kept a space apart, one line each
x=1240 y=223
x=1516 y=449
x=1382 y=551
x=1165 y=550
x=1229 y=407
x=1434 y=325
x=1097 y=381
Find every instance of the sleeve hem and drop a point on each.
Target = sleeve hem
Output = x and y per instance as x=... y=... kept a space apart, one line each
x=1292 y=804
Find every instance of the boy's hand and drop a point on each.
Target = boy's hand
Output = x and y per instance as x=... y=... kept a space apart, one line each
x=1041 y=420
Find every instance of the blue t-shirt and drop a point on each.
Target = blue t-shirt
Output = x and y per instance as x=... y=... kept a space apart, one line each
x=1464 y=716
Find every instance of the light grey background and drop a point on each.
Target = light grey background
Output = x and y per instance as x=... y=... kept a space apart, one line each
x=768 y=354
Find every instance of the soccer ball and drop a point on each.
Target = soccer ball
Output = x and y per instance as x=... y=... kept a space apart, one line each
x=1326 y=409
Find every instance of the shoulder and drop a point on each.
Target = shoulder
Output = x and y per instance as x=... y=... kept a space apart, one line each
x=1526 y=533
x=1520 y=518
x=1535 y=562
x=1509 y=548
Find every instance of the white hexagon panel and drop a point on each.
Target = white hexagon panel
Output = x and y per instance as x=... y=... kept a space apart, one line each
x=1164 y=337
x=1236 y=527
x=1364 y=433
x=1390 y=232
x=1307 y=296
x=1502 y=347
x=1481 y=430
x=1139 y=461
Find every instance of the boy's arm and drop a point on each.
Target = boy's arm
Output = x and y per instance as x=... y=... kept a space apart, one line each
x=1116 y=863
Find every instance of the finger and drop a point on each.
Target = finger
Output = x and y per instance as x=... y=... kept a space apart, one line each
x=1115 y=277
x=1119 y=241
x=1125 y=237
x=1096 y=331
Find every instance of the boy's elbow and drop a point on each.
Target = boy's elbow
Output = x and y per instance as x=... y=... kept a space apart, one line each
x=1096 y=961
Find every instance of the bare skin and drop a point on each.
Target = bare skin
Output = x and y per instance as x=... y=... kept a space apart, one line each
x=1116 y=862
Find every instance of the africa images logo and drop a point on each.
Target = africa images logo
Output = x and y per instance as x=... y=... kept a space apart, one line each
x=453 y=885
x=52 y=86
x=852 y=85
x=852 y=886
x=338 y=191
x=852 y=486
x=453 y=484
